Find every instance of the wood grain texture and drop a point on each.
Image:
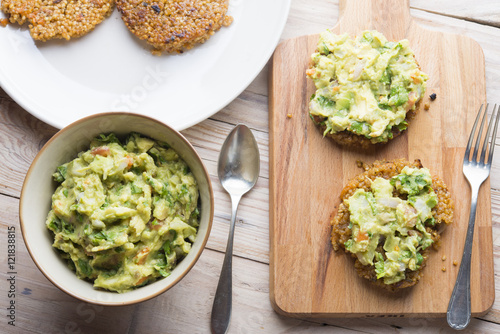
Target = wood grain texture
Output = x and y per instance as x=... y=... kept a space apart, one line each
x=307 y=173
x=487 y=13
x=19 y=131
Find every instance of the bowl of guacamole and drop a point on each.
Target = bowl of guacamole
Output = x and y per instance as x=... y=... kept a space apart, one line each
x=116 y=208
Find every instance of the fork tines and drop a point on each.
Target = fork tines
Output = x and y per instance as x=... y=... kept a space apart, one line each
x=476 y=138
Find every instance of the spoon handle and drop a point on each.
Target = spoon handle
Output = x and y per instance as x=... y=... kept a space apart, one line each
x=221 y=310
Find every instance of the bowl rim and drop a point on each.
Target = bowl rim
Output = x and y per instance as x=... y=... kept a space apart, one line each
x=188 y=268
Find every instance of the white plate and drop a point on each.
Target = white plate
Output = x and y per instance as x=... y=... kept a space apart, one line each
x=111 y=70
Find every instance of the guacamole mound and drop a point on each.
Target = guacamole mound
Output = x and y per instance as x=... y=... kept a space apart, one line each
x=124 y=214
x=379 y=215
x=365 y=86
x=389 y=219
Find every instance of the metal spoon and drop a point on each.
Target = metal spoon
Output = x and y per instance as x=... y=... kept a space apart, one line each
x=238 y=170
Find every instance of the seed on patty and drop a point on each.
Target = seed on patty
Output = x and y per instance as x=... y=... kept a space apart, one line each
x=58 y=19
x=174 y=25
x=156 y=8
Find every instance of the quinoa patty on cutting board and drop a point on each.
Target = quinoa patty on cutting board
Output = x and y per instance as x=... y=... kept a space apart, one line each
x=367 y=88
x=389 y=217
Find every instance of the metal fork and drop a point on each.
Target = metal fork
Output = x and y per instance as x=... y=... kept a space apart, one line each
x=476 y=172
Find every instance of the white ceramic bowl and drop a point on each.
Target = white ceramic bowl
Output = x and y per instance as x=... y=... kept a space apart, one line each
x=38 y=188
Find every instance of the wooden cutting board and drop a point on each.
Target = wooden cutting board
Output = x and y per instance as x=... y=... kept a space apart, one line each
x=307 y=278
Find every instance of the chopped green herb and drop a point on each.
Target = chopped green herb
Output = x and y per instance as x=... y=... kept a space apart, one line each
x=325 y=102
x=398 y=95
x=195 y=213
x=167 y=247
x=420 y=258
x=402 y=126
x=67 y=227
x=55 y=225
x=379 y=265
x=156 y=155
x=359 y=127
x=184 y=190
x=135 y=189
x=60 y=174
x=84 y=267
x=87 y=229
x=431 y=221
x=325 y=49
x=111 y=138
x=173 y=233
x=386 y=77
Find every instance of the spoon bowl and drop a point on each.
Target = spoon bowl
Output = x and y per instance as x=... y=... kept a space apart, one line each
x=238 y=165
x=238 y=170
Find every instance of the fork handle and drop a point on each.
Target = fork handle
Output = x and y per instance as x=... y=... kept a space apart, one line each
x=459 y=308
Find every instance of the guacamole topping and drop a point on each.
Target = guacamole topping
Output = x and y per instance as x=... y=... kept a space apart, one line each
x=377 y=217
x=124 y=214
x=364 y=85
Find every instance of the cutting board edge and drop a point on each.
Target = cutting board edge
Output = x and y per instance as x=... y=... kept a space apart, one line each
x=313 y=315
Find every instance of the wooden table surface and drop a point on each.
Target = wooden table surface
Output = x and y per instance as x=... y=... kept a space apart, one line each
x=41 y=308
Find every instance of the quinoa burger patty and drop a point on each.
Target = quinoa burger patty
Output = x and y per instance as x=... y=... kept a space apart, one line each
x=388 y=218
x=367 y=88
x=174 y=25
x=349 y=139
x=57 y=19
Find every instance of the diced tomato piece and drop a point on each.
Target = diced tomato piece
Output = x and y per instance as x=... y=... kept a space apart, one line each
x=101 y=150
x=362 y=236
x=142 y=255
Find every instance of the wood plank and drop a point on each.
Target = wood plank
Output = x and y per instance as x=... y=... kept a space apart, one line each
x=309 y=17
x=302 y=198
x=22 y=137
x=486 y=13
x=484 y=35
